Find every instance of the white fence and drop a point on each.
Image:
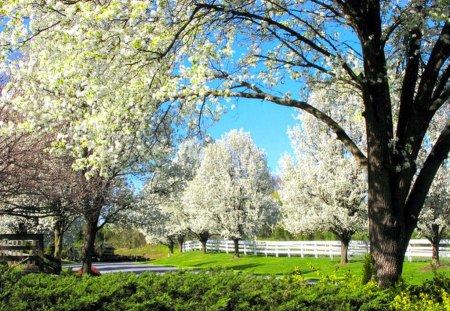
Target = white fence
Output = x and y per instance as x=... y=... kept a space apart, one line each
x=416 y=248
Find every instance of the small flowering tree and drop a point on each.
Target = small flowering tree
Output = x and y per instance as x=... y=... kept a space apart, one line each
x=324 y=188
x=105 y=117
x=434 y=219
x=232 y=189
x=393 y=54
x=161 y=215
x=201 y=219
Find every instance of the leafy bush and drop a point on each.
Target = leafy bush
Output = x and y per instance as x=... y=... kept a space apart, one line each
x=369 y=272
x=212 y=290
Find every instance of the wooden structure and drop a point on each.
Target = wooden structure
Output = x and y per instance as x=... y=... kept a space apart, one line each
x=416 y=249
x=23 y=248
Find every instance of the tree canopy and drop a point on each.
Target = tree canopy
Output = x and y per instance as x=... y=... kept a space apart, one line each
x=177 y=57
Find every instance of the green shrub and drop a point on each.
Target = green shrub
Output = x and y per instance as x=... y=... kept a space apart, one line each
x=212 y=290
x=369 y=272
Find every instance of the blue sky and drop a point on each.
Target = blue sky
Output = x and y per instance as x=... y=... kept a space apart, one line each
x=266 y=122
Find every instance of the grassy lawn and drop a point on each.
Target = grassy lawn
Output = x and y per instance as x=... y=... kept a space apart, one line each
x=149 y=251
x=309 y=267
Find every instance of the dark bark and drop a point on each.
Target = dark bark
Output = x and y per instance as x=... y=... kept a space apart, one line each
x=204 y=250
x=435 y=240
x=89 y=246
x=236 y=248
x=171 y=246
x=345 y=241
x=180 y=240
x=203 y=238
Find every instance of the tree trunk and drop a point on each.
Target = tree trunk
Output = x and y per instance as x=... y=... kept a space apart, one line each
x=89 y=246
x=389 y=227
x=388 y=243
x=345 y=241
x=204 y=250
x=181 y=242
x=203 y=238
x=435 y=241
x=58 y=242
x=236 y=248
x=171 y=246
x=435 y=256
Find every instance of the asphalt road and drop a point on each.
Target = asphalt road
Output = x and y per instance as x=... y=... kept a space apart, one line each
x=113 y=267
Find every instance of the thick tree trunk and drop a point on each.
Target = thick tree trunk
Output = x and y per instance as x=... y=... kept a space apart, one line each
x=345 y=241
x=236 y=248
x=388 y=237
x=89 y=246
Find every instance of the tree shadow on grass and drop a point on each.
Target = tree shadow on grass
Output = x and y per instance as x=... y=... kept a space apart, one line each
x=205 y=263
x=243 y=267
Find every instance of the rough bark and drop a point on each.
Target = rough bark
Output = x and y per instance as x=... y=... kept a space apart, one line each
x=89 y=246
x=236 y=248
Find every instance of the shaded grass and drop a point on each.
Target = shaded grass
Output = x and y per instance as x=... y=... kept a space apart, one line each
x=308 y=267
x=149 y=251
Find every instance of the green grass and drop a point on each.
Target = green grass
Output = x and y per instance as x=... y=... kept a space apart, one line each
x=148 y=251
x=309 y=267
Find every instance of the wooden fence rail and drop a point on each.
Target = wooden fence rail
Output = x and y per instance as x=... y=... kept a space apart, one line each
x=26 y=248
x=417 y=248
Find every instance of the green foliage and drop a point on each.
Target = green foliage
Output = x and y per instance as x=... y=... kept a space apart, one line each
x=121 y=237
x=213 y=290
x=281 y=234
x=369 y=271
x=148 y=251
x=311 y=268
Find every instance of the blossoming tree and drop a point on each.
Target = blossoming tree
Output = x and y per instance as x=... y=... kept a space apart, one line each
x=434 y=219
x=394 y=54
x=232 y=188
x=323 y=188
x=161 y=215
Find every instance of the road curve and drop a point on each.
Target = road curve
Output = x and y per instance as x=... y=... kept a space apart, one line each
x=114 y=267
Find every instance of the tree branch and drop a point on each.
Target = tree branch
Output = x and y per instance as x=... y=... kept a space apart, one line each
x=269 y=21
x=425 y=178
x=332 y=124
x=439 y=55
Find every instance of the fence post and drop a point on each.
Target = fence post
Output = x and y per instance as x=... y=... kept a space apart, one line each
x=254 y=247
x=289 y=251
x=245 y=247
x=276 y=250
x=226 y=246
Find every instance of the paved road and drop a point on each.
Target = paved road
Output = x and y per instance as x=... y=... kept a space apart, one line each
x=112 y=267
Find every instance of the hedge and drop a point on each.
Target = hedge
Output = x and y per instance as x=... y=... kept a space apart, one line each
x=212 y=290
